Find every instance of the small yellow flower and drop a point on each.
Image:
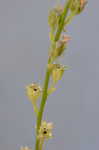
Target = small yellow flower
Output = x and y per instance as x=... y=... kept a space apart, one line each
x=57 y=72
x=25 y=148
x=33 y=91
x=45 y=131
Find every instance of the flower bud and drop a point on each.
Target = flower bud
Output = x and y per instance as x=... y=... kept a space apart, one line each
x=78 y=6
x=58 y=51
x=57 y=72
x=45 y=131
x=54 y=16
x=60 y=47
x=33 y=91
x=59 y=10
x=52 y=19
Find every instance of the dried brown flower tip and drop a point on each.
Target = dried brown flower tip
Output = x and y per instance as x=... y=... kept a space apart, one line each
x=66 y=39
x=83 y=3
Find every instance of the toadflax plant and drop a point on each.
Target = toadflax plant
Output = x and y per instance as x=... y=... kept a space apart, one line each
x=58 y=19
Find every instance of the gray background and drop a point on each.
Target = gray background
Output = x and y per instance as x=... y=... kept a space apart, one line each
x=74 y=108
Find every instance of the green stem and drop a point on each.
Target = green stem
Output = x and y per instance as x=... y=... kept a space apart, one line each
x=42 y=105
x=41 y=144
x=47 y=76
x=66 y=9
x=44 y=97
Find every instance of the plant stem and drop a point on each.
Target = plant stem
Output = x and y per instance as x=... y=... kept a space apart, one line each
x=47 y=76
x=66 y=9
x=41 y=144
x=42 y=105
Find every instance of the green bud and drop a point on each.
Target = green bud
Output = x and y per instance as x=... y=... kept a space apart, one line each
x=57 y=72
x=58 y=51
x=54 y=17
x=78 y=6
x=25 y=148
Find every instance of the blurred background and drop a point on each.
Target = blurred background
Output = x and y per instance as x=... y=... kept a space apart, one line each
x=74 y=107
